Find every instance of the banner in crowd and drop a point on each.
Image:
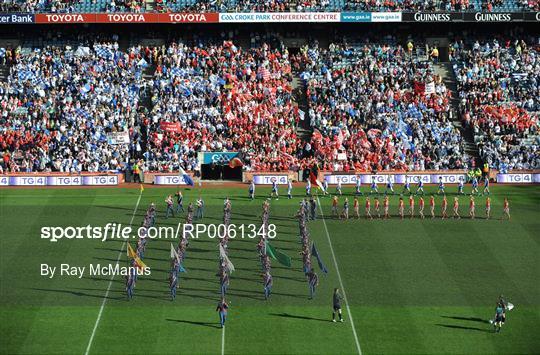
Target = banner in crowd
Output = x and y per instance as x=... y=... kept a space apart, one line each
x=217 y=157
x=429 y=88
x=115 y=138
x=269 y=179
x=518 y=178
x=59 y=180
x=169 y=180
x=170 y=126
x=269 y=17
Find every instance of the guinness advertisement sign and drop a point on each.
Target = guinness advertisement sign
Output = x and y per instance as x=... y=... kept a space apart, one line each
x=470 y=16
x=432 y=16
x=493 y=16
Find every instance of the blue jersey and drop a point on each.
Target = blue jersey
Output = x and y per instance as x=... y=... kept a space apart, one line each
x=486 y=182
x=441 y=185
x=420 y=183
x=373 y=184
x=407 y=185
x=475 y=182
x=389 y=184
x=251 y=188
x=274 y=186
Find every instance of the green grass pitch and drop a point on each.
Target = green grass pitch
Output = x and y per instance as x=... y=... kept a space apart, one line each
x=413 y=286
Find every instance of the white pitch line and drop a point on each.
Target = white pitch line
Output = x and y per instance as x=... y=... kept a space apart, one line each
x=340 y=280
x=110 y=282
x=223 y=341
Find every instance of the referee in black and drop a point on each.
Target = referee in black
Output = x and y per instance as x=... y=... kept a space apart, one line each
x=336 y=299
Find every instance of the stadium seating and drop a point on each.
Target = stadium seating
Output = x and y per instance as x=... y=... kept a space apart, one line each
x=364 y=104
x=499 y=87
x=372 y=106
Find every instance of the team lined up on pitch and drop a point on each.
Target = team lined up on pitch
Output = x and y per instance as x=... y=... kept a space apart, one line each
x=385 y=211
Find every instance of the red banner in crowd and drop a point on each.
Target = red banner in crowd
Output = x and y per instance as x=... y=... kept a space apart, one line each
x=128 y=18
x=170 y=126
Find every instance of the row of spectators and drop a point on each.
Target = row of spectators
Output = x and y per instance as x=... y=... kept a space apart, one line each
x=267 y=5
x=499 y=87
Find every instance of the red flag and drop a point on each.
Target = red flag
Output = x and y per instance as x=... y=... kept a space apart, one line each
x=419 y=88
x=235 y=162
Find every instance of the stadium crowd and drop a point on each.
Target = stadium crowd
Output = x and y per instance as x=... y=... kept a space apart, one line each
x=381 y=107
x=222 y=97
x=499 y=86
x=372 y=106
x=60 y=109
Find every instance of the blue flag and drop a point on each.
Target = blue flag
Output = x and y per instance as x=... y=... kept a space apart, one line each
x=187 y=178
x=315 y=253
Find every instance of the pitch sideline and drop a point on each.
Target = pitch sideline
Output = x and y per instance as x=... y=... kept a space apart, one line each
x=340 y=280
x=110 y=282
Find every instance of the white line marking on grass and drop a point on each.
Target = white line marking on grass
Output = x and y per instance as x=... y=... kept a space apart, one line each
x=340 y=280
x=223 y=341
x=110 y=282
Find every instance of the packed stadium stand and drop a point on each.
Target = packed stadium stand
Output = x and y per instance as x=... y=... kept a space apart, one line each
x=79 y=102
